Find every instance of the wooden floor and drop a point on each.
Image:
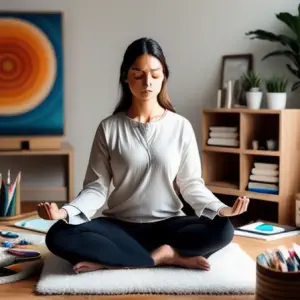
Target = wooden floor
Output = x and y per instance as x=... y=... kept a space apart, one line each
x=25 y=289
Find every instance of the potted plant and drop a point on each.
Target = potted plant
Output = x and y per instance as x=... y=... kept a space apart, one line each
x=290 y=43
x=276 y=92
x=252 y=86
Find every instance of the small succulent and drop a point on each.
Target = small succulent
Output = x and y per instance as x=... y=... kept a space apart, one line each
x=251 y=80
x=276 y=84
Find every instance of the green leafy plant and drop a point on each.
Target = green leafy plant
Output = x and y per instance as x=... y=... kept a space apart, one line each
x=251 y=80
x=276 y=84
x=291 y=43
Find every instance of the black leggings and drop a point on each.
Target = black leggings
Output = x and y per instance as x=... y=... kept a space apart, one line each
x=113 y=242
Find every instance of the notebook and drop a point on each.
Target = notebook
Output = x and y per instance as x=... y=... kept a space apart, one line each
x=266 y=231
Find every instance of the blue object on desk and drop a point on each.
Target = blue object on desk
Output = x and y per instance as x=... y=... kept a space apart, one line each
x=265 y=227
x=24 y=242
x=8 y=234
x=7 y=244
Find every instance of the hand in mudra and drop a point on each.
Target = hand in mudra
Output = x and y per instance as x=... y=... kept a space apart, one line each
x=240 y=206
x=50 y=211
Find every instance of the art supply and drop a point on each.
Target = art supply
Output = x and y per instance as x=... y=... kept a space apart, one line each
x=7 y=244
x=8 y=177
x=281 y=259
x=8 y=234
x=10 y=196
x=25 y=253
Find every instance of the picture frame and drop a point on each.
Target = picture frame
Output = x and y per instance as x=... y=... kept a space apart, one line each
x=233 y=67
x=32 y=86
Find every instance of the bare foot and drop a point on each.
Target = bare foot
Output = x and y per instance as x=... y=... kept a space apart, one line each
x=163 y=255
x=166 y=255
x=86 y=266
x=196 y=262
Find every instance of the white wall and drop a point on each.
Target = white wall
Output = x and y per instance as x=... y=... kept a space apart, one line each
x=193 y=33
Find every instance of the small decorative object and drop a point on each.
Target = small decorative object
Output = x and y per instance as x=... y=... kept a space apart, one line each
x=10 y=235
x=255 y=145
x=251 y=85
x=276 y=92
x=291 y=42
x=24 y=242
x=7 y=244
x=233 y=67
x=271 y=145
x=219 y=99
x=228 y=102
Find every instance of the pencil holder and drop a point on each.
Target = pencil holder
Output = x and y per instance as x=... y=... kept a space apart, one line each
x=10 y=199
x=276 y=285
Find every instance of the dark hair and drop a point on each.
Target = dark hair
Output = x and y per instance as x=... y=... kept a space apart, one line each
x=134 y=50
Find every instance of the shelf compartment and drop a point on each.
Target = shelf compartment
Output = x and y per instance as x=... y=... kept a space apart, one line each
x=247 y=164
x=217 y=119
x=260 y=127
x=55 y=193
x=221 y=169
x=238 y=193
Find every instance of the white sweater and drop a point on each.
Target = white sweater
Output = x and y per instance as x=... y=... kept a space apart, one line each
x=142 y=160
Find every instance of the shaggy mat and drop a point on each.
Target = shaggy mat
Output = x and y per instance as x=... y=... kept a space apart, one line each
x=232 y=272
x=27 y=269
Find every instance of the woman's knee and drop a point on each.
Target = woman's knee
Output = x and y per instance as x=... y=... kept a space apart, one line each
x=225 y=230
x=55 y=236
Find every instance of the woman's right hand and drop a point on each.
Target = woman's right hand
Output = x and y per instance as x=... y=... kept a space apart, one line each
x=50 y=211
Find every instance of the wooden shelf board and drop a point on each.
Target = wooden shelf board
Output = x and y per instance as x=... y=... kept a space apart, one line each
x=64 y=150
x=221 y=149
x=261 y=152
x=242 y=110
x=224 y=184
x=237 y=192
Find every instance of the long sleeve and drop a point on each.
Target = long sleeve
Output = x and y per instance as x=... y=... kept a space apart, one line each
x=191 y=183
x=96 y=183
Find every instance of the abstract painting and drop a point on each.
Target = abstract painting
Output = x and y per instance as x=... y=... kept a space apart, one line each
x=31 y=74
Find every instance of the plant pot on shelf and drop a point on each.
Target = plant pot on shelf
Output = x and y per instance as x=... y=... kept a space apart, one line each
x=254 y=98
x=276 y=101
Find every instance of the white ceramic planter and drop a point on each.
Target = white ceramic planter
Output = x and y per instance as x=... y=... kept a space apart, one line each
x=276 y=100
x=254 y=99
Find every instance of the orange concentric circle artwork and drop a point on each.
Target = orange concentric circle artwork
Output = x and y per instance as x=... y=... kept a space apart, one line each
x=27 y=66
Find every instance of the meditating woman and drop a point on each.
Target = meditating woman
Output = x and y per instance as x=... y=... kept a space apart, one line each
x=142 y=149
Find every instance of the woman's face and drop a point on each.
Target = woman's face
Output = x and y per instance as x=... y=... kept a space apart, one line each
x=145 y=78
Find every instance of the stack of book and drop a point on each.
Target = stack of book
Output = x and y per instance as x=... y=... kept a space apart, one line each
x=282 y=259
x=223 y=136
x=264 y=178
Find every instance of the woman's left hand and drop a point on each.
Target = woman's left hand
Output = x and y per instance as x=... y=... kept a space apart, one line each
x=239 y=207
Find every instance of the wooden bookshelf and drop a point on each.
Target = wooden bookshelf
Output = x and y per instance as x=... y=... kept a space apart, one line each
x=226 y=170
x=37 y=167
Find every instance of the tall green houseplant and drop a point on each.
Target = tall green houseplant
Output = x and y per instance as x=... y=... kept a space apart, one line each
x=291 y=43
